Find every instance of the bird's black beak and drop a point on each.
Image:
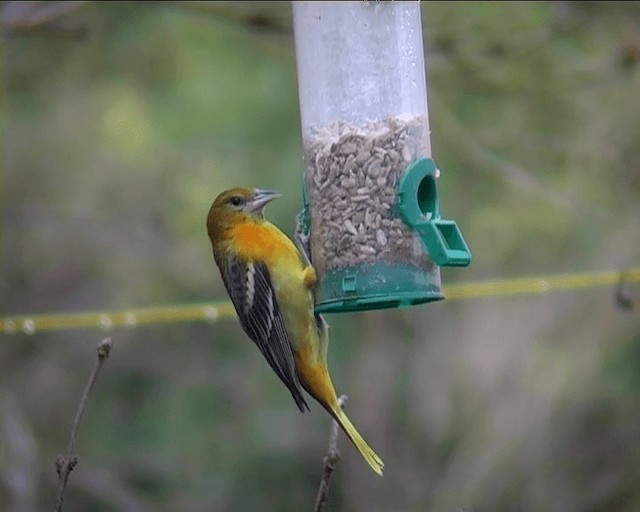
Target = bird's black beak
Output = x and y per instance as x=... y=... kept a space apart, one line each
x=260 y=199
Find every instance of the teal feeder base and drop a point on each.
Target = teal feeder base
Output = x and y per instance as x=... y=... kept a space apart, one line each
x=375 y=286
x=406 y=275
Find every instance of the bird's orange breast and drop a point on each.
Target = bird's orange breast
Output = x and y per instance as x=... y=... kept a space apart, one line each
x=264 y=242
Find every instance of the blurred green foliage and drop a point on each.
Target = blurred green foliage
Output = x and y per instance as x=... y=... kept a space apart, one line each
x=115 y=143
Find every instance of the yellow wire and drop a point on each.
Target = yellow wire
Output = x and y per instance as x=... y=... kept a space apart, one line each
x=212 y=311
x=537 y=285
x=30 y=324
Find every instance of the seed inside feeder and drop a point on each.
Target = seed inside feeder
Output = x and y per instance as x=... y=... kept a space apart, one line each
x=352 y=176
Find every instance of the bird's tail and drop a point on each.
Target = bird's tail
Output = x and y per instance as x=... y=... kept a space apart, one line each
x=365 y=450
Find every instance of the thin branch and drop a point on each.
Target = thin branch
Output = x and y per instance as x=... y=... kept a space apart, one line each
x=270 y=18
x=33 y=14
x=330 y=461
x=66 y=463
x=40 y=18
x=518 y=176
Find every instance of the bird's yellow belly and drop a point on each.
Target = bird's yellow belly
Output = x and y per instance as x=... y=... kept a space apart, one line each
x=296 y=305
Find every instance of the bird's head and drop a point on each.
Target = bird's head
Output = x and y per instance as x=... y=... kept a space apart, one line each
x=237 y=204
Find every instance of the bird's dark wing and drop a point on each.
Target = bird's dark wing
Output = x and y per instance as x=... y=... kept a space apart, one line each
x=249 y=286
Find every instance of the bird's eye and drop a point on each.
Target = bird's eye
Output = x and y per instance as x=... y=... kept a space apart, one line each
x=235 y=200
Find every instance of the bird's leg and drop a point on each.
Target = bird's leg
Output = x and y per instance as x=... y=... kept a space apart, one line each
x=323 y=337
x=302 y=241
x=321 y=324
x=310 y=278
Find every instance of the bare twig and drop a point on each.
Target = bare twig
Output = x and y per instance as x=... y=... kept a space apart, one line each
x=270 y=18
x=32 y=14
x=66 y=463
x=517 y=175
x=330 y=461
x=40 y=18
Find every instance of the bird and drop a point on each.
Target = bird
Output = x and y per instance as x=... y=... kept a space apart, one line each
x=271 y=282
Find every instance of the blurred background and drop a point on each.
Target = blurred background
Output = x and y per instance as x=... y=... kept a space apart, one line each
x=122 y=122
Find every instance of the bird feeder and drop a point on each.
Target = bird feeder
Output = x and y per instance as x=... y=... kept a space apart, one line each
x=371 y=207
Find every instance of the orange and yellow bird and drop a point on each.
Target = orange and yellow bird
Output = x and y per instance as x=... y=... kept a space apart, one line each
x=271 y=284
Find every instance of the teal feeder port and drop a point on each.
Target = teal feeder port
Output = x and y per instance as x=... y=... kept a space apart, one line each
x=371 y=208
x=418 y=206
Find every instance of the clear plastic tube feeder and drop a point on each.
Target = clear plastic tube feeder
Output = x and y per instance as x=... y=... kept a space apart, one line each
x=370 y=198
